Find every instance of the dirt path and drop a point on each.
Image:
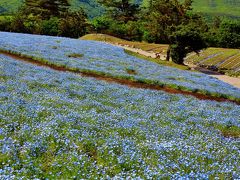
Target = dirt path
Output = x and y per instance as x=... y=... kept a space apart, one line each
x=227 y=79
x=230 y=80
x=234 y=81
x=125 y=82
x=142 y=52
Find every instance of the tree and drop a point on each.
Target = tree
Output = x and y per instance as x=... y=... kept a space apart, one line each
x=49 y=17
x=73 y=24
x=185 y=39
x=224 y=33
x=46 y=8
x=164 y=17
x=229 y=34
x=101 y=24
x=121 y=10
x=2 y=10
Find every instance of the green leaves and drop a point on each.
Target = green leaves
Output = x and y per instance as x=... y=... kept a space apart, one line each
x=187 y=38
x=121 y=10
x=46 y=8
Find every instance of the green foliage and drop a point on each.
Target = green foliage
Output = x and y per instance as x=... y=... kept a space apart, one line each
x=50 y=27
x=121 y=10
x=163 y=16
x=187 y=38
x=172 y=22
x=39 y=18
x=74 y=24
x=120 y=19
x=177 y=53
x=229 y=34
x=224 y=33
x=46 y=8
x=2 y=10
x=101 y=24
x=17 y=23
x=229 y=8
x=129 y=31
x=156 y=21
x=5 y=23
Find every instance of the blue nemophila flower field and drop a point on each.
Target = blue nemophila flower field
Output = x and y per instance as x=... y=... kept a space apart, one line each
x=61 y=125
x=97 y=57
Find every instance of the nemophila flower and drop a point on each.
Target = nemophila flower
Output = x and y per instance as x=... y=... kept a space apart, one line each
x=104 y=58
x=61 y=125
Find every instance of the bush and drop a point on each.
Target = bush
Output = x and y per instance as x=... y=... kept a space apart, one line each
x=74 y=24
x=177 y=53
x=50 y=27
x=17 y=24
x=229 y=36
x=70 y=24
x=101 y=24
x=33 y=24
x=134 y=31
x=5 y=24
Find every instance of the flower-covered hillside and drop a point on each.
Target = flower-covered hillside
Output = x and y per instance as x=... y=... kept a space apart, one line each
x=97 y=57
x=59 y=125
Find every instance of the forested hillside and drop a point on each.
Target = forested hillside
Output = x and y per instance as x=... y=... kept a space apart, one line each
x=229 y=8
x=91 y=6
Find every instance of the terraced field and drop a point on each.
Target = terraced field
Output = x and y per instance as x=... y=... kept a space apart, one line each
x=220 y=59
x=59 y=124
x=225 y=60
x=150 y=47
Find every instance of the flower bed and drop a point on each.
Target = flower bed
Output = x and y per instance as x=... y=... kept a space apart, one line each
x=58 y=125
x=100 y=58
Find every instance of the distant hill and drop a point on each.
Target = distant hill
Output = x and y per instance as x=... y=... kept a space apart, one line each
x=230 y=8
x=91 y=6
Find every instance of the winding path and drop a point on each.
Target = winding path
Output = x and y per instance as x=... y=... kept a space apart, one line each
x=234 y=81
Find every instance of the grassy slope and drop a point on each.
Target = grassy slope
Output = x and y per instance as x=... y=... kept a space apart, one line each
x=140 y=45
x=226 y=60
x=10 y=5
x=220 y=7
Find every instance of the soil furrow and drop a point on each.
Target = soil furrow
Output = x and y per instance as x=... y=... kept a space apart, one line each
x=126 y=82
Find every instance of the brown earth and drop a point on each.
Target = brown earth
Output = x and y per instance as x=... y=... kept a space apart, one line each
x=234 y=81
x=125 y=82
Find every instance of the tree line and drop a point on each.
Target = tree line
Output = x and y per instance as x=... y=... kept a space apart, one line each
x=48 y=17
x=159 y=21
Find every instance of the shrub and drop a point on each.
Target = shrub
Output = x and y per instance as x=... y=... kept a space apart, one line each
x=101 y=24
x=75 y=55
x=5 y=24
x=74 y=24
x=50 y=27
